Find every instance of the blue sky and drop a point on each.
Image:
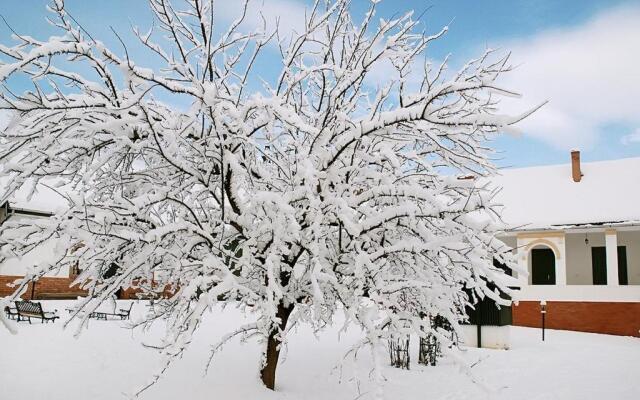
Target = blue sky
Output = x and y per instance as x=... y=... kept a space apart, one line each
x=582 y=56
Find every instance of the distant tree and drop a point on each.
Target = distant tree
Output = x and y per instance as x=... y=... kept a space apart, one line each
x=316 y=193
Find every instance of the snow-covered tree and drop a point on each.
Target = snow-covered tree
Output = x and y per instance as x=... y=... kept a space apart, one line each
x=296 y=197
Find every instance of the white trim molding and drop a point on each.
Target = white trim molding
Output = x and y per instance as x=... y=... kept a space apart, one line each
x=611 y=243
x=595 y=293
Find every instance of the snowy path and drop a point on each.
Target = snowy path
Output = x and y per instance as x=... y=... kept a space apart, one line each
x=107 y=362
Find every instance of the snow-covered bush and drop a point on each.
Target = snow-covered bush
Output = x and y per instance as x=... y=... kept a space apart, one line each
x=315 y=192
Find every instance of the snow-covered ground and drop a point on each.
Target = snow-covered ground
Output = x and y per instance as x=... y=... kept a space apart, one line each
x=107 y=362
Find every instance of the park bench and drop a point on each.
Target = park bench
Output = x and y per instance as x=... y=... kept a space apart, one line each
x=12 y=312
x=126 y=313
x=28 y=309
x=122 y=313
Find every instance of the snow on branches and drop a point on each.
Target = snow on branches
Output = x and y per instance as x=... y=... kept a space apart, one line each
x=315 y=193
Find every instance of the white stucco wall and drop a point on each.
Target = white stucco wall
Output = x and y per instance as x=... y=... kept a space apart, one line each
x=579 y=263
x=576 y=255
x=510 y=241
x=493 y=337
x=579 y=266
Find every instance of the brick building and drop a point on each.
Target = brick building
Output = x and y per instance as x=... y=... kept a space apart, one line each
x=56 y=285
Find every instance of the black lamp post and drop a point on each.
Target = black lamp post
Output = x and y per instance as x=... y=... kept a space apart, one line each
x=543 y=312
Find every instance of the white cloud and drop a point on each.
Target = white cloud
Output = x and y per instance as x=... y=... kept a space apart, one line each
x=589 y=74
x=631 y=138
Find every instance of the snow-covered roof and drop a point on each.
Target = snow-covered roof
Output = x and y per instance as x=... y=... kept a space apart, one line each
x=547 y=197
x=543 y=197
x=44 y=199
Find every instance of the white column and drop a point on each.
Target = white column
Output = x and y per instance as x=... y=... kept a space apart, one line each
x=523 y=263
x=561 y=262
x=611 y=243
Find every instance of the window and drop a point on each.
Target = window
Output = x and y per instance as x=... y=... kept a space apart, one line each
x=74 y=270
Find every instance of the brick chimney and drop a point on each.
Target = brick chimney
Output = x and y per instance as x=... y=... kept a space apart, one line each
x=575 y=165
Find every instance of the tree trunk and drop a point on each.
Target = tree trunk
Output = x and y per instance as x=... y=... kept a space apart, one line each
x=268 y=372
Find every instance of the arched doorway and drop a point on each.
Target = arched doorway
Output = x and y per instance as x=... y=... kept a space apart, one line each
x=543 y=266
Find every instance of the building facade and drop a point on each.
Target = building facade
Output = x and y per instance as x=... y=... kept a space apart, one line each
x=54 y=285
x=575 y=231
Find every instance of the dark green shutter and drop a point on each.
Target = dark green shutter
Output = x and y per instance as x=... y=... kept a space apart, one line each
x=622 y=266
x=599 y=265
x=543 y=265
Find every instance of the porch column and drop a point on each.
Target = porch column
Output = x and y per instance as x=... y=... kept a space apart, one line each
x=523 y=263
x=561 y=261
x=611 y=243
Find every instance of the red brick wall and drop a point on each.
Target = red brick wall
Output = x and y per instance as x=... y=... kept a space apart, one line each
x=597 y=317
x=132 y=293
x=58 y=288
x=44 y=288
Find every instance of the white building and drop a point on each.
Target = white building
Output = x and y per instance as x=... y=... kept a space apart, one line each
x=576 y=229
